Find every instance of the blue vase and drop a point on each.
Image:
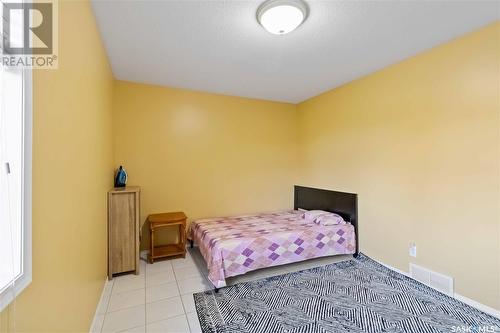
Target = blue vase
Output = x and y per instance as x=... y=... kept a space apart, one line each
x=121 y=177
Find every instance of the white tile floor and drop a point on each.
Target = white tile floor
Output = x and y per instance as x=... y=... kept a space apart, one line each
x=160 y=299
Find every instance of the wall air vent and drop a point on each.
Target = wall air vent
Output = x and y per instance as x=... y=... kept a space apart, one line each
x=438 y=281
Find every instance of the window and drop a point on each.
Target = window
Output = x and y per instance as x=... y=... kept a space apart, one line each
x=15 y=181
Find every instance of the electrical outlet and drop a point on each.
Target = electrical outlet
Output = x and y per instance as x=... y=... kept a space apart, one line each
x=413 y=249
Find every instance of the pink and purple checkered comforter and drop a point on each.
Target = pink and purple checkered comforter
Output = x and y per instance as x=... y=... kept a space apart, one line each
x=239 y=244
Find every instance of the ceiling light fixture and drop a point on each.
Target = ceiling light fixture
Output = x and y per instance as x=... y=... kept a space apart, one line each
x=280 y=17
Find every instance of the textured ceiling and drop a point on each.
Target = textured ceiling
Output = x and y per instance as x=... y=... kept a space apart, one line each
x=218 y=46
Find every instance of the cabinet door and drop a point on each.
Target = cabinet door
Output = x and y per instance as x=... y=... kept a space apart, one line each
x=122 y=232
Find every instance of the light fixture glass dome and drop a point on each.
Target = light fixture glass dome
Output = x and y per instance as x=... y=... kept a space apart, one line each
x=280 y=17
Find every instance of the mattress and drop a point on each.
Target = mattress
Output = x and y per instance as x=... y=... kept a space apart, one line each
x=236 y=245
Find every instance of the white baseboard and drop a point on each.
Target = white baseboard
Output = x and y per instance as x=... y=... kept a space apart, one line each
x=96 y=314
x=479 y=306
x=486 y=309
x=393 y=269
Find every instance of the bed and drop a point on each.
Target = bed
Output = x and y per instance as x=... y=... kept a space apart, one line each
x=238 y=244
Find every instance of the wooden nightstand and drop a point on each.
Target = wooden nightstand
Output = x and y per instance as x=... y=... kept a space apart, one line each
x=158 y=221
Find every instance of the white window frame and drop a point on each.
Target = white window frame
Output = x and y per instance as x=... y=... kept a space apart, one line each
x=24 y=279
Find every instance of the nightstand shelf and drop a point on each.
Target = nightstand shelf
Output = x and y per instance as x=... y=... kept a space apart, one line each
x=158 y=221
x=168 y=250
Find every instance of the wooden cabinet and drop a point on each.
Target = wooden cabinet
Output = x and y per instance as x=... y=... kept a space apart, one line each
x=123 y=230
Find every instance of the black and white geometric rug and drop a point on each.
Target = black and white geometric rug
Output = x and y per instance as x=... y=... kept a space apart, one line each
x=355 y=296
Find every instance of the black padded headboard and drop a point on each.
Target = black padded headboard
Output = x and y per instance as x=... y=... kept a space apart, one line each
x=342 y=203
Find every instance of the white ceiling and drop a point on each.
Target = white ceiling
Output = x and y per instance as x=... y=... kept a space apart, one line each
x=218 y=46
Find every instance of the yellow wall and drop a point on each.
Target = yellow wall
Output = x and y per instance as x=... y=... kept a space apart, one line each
x=72 y=170
x=419 y=143
x=205 y=154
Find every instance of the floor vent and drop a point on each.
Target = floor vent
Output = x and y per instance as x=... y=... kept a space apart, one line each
x=438 y=281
